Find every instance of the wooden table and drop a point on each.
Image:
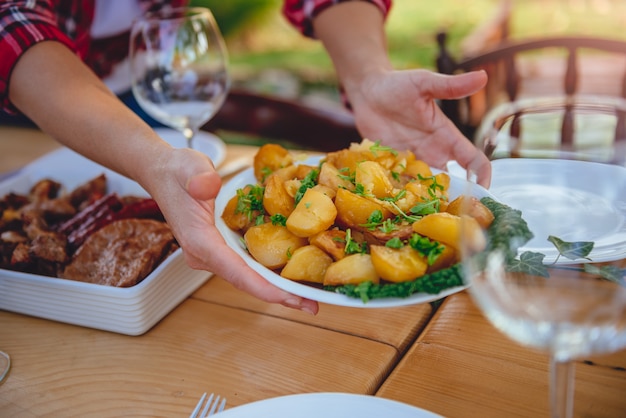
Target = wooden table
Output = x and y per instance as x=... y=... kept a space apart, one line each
x=448 y=359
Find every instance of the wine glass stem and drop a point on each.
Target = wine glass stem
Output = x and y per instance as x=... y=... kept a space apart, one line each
x=562 y=388
x=189 y=134
x=5 y=365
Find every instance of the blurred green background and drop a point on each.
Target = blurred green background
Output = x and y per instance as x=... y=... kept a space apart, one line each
x=268 y=55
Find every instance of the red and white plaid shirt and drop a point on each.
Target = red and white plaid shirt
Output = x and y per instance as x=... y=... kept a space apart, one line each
x=301 y=12
x=23 y=23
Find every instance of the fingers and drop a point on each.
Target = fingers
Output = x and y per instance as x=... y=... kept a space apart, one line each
x=222 y=260
x=234 y=270
x=441 y=86
x=473 y=160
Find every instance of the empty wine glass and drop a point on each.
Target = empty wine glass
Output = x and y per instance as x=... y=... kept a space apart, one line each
x=551 y=274
x=5 y=365
x=179 y=67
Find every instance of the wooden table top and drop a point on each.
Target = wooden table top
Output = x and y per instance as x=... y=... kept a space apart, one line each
x=447 y=359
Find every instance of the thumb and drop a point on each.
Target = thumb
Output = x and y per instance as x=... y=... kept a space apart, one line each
x=442 y=86
x=204 y=186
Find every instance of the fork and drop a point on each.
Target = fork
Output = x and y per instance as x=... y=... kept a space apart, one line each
x=211 y=406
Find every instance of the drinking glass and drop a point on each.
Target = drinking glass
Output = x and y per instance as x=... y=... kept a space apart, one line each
x=5 y=365
x=560 y=163
x=179 y=67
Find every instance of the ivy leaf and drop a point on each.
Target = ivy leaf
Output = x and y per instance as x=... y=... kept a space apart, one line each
x=572 y=250
x=611 y=273
x=529 y=262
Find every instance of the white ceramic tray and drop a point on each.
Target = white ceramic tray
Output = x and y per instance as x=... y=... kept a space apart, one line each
x=131 y=311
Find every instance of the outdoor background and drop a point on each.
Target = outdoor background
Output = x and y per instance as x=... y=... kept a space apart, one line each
x=268 y=55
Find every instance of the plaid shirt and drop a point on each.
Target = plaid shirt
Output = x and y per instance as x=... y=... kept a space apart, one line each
x=23 y=23
x=301 y=12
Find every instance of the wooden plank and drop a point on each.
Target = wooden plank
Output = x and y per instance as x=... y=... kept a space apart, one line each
x=19 y=146
x=397 y=327
x=462 y=366
x=67 y=371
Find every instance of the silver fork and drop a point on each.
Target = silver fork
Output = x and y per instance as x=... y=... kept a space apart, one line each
x=211 y=407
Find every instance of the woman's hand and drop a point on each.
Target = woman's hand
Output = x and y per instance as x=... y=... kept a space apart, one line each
x=185 y=191
x=399 y=108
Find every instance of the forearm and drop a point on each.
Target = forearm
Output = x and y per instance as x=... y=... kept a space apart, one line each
x=353 y=35
x=51 y=86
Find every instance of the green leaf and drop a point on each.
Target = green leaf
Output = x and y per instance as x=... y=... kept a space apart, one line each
x=377 y=147
x=572 y=250
x=529 y=262
x=353 y=247
x=426 y=208
x=307 y=182
x=375 y=219
x=278 y=219
x=611 y=273
x=394 y=242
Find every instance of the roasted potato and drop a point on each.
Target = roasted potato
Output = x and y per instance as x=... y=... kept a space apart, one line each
x=447 y=229
x=308 y=264
x=238 y=220
x=398 y=264
x=374 y=179
x=471 y=206
x=272 y=245
x=332 y=242
x=270 y=158
x=314 y=213
x=276 y=198
x=353 y=269
x=353 y=211
x=331 y=177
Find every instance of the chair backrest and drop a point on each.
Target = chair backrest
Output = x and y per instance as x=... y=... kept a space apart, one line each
x=269 y=117
x=506 y=55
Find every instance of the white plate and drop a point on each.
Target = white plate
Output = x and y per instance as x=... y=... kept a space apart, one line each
x=580 y=201
x=131 y=311
x=233 y=239
x=205 y=142
x=327 y=405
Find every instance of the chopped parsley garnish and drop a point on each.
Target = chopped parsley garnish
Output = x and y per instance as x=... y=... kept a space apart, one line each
x=359 y=189
x=307 y=182
x=426 y=208
x=382 y=148
x=345 y=174
x=394 y=242
x=427 y=247
x=353 y=247
x=278 y=219
x=376 y=220
x=397 y=197
x=250 y=201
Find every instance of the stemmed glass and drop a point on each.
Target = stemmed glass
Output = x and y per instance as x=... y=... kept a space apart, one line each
x=5 y=365
x=562 y=290
x=179 y=67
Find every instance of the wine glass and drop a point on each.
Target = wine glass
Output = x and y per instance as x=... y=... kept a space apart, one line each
x=551 y=276
x=5 y=365
x=179 y=67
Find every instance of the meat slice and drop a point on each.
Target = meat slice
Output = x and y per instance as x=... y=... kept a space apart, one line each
x=122 y=253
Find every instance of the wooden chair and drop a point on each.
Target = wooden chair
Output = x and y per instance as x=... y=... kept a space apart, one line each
x=506 y=57
x=273 y=118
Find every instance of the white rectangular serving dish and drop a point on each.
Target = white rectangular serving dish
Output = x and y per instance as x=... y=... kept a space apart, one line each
x=131 y=311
